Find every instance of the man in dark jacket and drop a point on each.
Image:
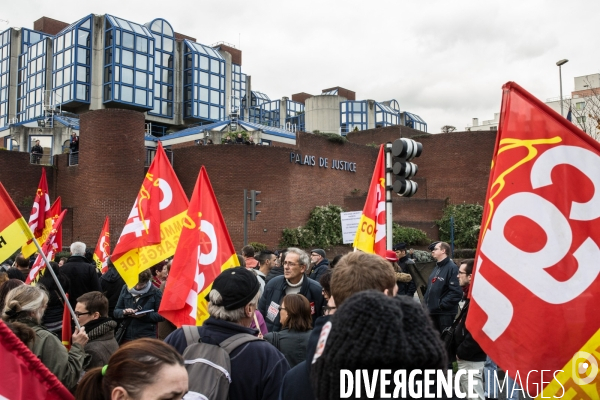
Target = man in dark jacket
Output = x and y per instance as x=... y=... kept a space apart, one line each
x=277 y=270
x=92 y=312
x=406 y=287
x=443 y=291
x=469 y=354
x=319 y=266
x=292 y=281
x=81 y=273
x=257 y=367
x=111 y=283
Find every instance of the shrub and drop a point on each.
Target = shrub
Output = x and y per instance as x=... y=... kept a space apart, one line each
x=323 y=229
x=258 y=246
x=467 y=223
x=422 y=256
x=410 y=236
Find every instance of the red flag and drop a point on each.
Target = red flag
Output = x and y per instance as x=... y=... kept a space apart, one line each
x=103 y=248
x=370 y=235
x=537 y=263
x=41 y=204
x=23 y=375
x=66 y=325
x=50 y=248
x=153 y=227
x=204 y=250
x=51 y=216
x=14 y=231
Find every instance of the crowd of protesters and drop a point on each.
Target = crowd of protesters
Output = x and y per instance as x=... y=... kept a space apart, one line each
x=281 y=326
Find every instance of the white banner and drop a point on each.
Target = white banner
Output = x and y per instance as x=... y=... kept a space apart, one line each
x=350 y=222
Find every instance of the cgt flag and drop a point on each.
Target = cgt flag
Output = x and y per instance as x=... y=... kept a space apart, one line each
x=37 y=219
x=103 y=248
x=204 y=250
x=24 y=376
x=14 y=231
x=370 y=235
x=49 y=248
x=153 y=227
x=51 y=216
x=537 y=262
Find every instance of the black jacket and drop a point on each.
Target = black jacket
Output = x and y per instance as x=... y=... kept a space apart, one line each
x=465 y=347
x=318 y=270
x=443 y=291
x=276 y=271
x=82 y=276
x=112 y=283
x=257 y=368
x=274 y=292
x=146 y=325
x=406 y=288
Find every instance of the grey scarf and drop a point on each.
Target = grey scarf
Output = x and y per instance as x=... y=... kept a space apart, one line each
x=135 y=292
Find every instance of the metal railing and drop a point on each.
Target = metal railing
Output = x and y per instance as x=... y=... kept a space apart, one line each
x=150 y=153
x=41 y=159
x=73 y=158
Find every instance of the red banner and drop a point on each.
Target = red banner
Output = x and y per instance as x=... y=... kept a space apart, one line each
x=66 y=326
x=14 y=231
x=102 y=250
x=49 y=248
x=371 y=235
x=204 y=250
x=535 y=288
x=24 y=376
x=153 y=227
x=37 y=219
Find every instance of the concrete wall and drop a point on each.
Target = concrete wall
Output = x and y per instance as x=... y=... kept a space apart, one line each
x=323 y=113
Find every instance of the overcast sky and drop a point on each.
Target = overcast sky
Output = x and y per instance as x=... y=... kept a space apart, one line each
x=443 y=60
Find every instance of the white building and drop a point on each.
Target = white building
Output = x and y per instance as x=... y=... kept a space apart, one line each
x=489 y=125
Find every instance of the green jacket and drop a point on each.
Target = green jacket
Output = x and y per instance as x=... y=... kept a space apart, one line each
x=66 y=365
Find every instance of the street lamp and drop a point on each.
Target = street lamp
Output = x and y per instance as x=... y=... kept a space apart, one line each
x=560 y=64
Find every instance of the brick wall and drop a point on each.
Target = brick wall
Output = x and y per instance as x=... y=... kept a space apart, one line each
x=383 y=135
x=111 y=169
x=49 y=25
x=109 y=174
x=236 y=54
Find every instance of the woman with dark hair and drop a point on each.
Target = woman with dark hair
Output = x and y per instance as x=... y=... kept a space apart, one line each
x=143 y=369
x=142 y=297
x=159 y=273
x=7 y=287
x=325 y=282
x=296 y=323
x=56 y=304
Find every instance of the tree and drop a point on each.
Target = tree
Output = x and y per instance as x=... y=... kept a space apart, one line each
x=585 y=109
x=448 y=128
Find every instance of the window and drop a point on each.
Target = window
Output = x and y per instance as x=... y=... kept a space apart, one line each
x=163 y=68
x=581 y=120
x=580 y=105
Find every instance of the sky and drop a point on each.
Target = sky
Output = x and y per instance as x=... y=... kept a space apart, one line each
x=445 y=61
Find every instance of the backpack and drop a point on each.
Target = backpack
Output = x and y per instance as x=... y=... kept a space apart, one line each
x=208 y=365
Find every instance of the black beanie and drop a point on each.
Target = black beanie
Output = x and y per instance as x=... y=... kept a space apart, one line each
x=374 y=331
x=237 y=286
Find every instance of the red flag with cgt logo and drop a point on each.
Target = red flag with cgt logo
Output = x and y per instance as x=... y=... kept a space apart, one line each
x=536 y=285
x=204 y=251
x=152 y=229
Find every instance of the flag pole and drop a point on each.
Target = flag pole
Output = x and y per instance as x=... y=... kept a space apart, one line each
x=60 y=289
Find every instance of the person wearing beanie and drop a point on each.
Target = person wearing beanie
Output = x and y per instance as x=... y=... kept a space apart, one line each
x=374 y=331
x=406 y=285
x=319 y=264
x=257 y=368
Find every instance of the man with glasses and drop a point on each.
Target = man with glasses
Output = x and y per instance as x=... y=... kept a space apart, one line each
x=91 y=311
x=293 y=281
x=443 y=290
x=467 y=352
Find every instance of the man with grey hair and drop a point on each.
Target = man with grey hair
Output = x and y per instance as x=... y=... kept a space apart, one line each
x=293 y=281
x=82 y=275
x=257 y=367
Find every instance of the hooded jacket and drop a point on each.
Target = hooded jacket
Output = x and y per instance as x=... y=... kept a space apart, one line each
x=102 y=343
x=145 y=325
x=112 y=283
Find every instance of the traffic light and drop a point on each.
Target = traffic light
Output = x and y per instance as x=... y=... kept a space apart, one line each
x=253 y=204
x=405 y=150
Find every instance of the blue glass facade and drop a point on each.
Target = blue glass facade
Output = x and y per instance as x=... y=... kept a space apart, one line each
x=267 y=113
x=71 y=61
x=128 y=75
x=236 y=87
x=31 y=79
x=353 y=116
x=387 y=113
x=415 y=122
x=295 y=115
x=4 y=76
x=164 y=59
x=203 y=83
